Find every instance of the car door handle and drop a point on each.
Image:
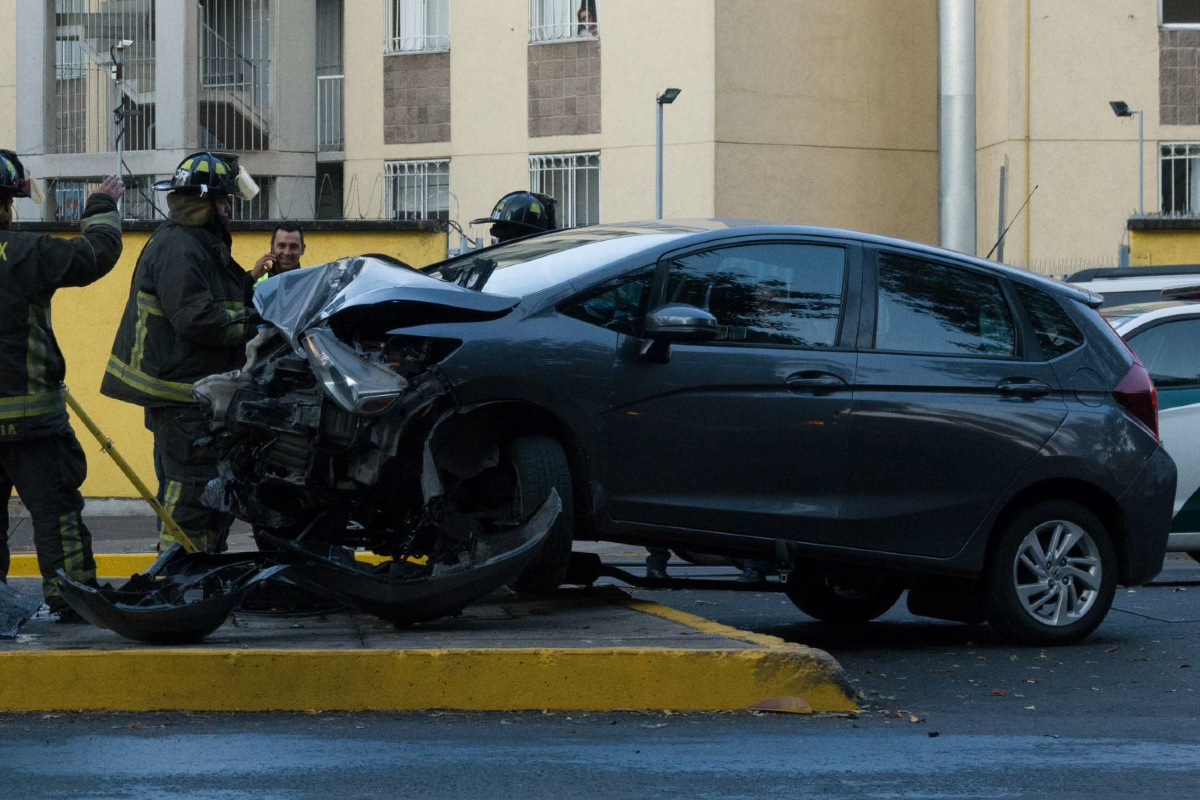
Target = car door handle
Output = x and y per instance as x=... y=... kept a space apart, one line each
x=1028 y=388
x=815 y=382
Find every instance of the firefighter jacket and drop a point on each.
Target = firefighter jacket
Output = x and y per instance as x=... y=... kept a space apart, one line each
x=187 y=317
x=32 y=267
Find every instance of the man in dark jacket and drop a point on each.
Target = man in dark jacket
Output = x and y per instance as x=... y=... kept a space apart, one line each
x=39 y=453
x=187 y=317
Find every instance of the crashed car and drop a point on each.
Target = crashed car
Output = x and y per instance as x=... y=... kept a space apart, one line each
x=870 y=415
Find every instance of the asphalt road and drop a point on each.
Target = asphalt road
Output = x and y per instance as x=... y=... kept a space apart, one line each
x=948 y=711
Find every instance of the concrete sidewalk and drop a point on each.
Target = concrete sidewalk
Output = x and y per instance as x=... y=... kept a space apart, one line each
x=581 y=649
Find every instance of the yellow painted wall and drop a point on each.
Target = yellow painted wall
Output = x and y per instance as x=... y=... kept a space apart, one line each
x=8 y=73
x=85 y=322
x=1156 y=248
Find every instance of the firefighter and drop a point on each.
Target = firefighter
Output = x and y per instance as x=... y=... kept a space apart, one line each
x=188 y=315
x=520 y=214
x=39 y=453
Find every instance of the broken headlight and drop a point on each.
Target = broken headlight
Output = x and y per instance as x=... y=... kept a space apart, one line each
x=355 y=384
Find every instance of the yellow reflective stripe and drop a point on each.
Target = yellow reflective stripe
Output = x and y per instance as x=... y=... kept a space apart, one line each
x=31 y=405
x=37 y=346
x=171 y=494
x=149 y=303
x=108 y=219
x=74 y=558
x=148 y=384
x=138 y=351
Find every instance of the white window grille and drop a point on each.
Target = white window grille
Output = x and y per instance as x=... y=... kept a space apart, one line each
x=417 y=26
x=85 y=93
x=1179 y=178
x=556 y=20
x=1179 y=13
x=417 y=190
x=235 y=74
x=69 y=196
x=259 y=207
x=573 y=179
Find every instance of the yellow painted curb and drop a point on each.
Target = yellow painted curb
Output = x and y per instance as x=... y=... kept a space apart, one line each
x=120 y=565
x=391 y=680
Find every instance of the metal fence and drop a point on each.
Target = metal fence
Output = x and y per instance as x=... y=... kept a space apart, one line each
x=556 y=20
x=415 y=190
x=573 y=179
x=415 y=26
x=330 y=123
x=1179 y=178
x=86 y=33
x=68 y=196
x=235 y=75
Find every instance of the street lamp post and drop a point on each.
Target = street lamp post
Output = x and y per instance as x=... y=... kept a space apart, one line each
x=117 y=52
x=1122 y=109
x=666 y=98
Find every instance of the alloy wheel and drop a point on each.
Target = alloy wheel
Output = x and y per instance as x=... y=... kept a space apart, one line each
x=1057 y=573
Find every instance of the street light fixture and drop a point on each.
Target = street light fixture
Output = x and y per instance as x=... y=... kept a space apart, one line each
x=1122 y=109
x=117 y=71
x=666 y=98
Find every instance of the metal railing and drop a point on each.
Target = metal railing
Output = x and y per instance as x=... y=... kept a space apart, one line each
x=234 y=74
x=417 y=26
x=559 y=20
x=573 y=179
x=68 y=196
x=330 y=122
x=1179 y=179
x=417 y=189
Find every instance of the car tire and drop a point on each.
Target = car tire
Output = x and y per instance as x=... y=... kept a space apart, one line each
x=834 y=599
x=1037 y=601
x=540 y=464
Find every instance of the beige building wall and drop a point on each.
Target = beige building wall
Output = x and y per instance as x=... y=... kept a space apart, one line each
x=8 y=73
x=827 y=113
x=645 y=47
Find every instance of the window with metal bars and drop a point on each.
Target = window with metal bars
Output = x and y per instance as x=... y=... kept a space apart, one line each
x=69 y=196
x=235 y=75
x=417 y=26
x=573 y=179
x=259 y=207
x=556 y=20
x=1179 y=178
x=1179 y=13
x=417 y=190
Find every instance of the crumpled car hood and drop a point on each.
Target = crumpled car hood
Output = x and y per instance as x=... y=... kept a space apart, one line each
x=299 y=300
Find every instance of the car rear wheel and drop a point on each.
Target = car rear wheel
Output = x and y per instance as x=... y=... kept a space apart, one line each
x=1052 y=576
x=841 y=599
x=540 y=464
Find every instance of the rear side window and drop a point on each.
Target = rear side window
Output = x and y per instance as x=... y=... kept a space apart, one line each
x=1170 y=353
x=928 y=307
x=1055 y=331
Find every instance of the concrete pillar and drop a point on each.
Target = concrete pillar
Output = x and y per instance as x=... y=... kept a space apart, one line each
x=956 y=125
x=294 y=82
x=176 y=82
x=35 y=104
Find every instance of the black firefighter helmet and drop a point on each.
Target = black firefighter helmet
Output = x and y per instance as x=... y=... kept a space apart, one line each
x=519 y=214
x=14 y=182
x=203 y=173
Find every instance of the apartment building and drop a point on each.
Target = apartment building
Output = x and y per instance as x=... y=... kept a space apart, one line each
x=801 y=110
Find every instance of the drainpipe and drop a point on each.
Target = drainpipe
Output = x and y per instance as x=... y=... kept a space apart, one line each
x=956 y=125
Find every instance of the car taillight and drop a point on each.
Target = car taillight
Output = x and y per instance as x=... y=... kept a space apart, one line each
x=1136 y=394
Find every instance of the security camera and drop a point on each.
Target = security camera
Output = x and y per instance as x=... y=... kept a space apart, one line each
x=121 y=45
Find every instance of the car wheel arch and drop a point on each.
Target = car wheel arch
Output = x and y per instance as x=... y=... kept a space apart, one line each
x=1095 y=499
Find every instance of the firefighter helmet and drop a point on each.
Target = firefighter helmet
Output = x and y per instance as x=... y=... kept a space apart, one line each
x=204 y=173
x=14 y=182
x=520 y=214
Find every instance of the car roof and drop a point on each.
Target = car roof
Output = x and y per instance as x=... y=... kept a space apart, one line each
x=1134 y=315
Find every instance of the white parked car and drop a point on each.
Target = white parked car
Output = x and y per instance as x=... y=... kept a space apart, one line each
x=1122 y=286
x=1166 y=337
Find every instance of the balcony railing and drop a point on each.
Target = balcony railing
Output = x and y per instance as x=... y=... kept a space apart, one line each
x=330 y=122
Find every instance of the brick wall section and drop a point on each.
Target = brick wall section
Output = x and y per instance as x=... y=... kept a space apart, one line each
x=416 y=98
x=564 y=88
x=1179 y=77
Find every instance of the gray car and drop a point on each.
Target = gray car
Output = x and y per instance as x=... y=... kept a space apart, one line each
x=870 y=414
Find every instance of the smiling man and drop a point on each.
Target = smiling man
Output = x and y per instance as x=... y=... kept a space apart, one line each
x=287 y=246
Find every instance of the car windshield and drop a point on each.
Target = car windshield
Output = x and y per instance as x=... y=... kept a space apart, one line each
x=530 y=265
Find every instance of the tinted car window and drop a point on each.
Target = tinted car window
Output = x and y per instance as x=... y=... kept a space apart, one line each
x=1170 y=353
x=783 y=294
x=927 y=307
x=1055 y=331
x=618 y=304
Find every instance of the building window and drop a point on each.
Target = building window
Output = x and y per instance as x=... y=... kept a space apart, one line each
x=573 y=179
x=259 y=207
x=556 y=20
x=417 y=190
x=417 y=26
x=69 y=196
x=1179 y=13
x=1179 y=178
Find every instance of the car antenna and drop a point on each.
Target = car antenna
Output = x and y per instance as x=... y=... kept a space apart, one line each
x=1014 y=219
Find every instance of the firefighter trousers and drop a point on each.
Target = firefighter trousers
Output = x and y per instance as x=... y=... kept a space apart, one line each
x=184 y=469
x=47 y=473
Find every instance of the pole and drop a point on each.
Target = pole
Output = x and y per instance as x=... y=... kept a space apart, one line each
x=956 y=125
x=107 y=446
x=1141 y=165
x=1003 y=213
x=659 y=164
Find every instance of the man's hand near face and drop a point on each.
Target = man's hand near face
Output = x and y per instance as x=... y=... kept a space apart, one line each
x=286 y=249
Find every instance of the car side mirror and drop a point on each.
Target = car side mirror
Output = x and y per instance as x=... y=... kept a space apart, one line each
x=676 y=323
